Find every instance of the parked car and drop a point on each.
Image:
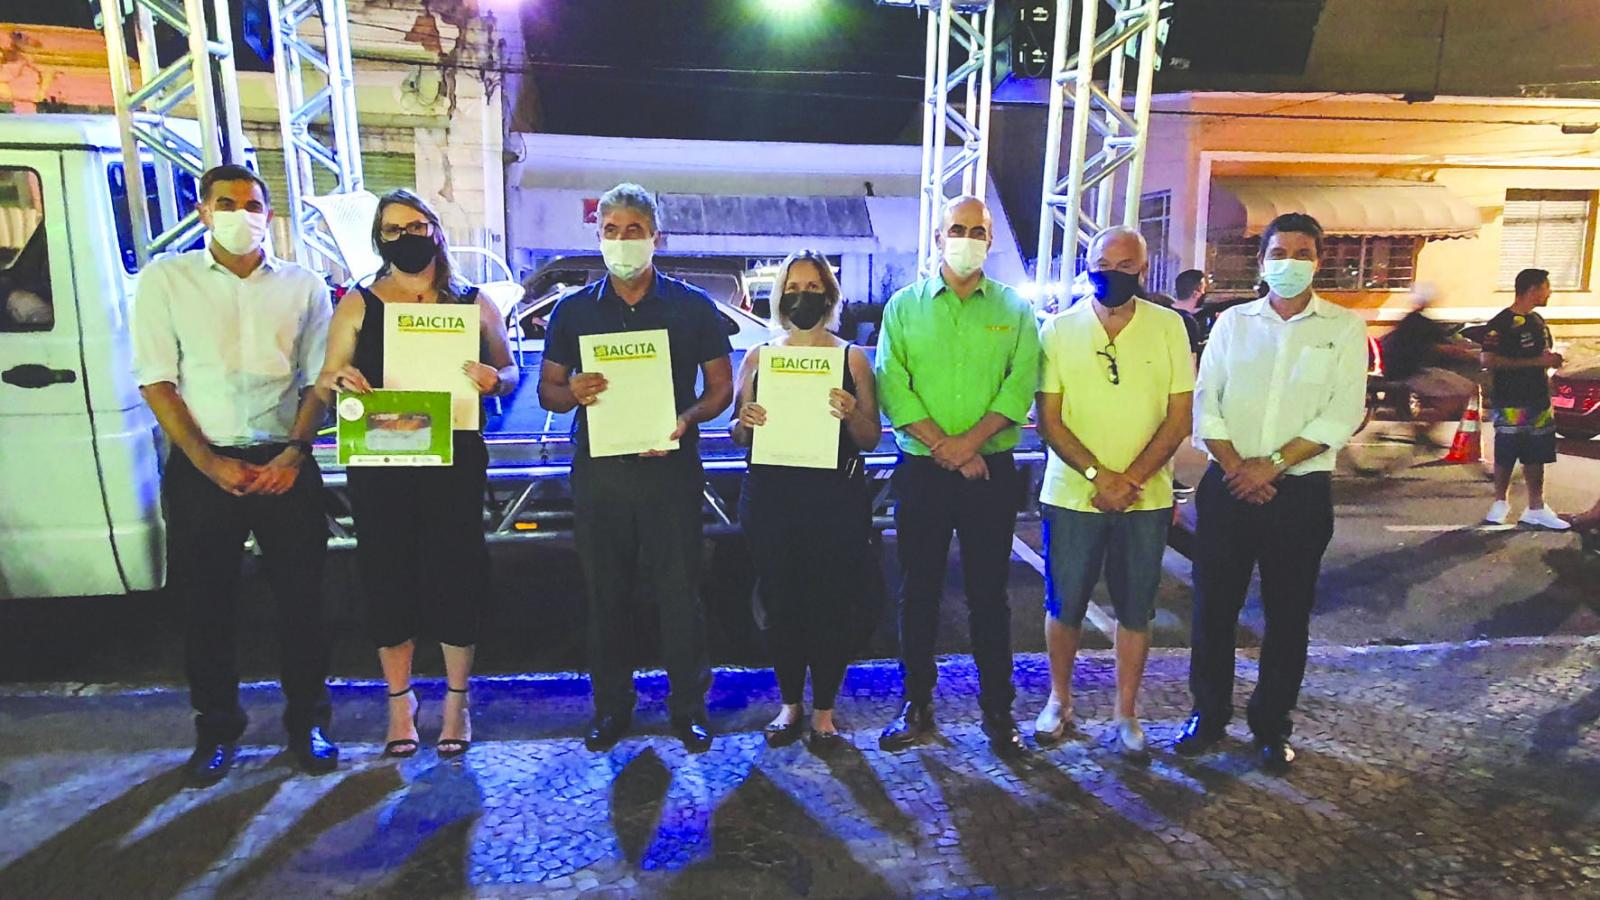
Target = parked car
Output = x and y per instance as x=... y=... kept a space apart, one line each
x=1575 y=395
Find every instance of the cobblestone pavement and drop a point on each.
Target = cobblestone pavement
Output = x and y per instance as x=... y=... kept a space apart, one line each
x=1461 y=770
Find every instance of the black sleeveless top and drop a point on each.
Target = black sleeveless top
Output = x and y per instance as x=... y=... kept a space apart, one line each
x=847 y=447
x=369 y=341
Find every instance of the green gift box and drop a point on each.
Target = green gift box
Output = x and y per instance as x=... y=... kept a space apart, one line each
x=394 y=428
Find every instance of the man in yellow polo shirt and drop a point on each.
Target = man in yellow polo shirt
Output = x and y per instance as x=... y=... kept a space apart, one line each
x=957 y=363
x=1115 y=402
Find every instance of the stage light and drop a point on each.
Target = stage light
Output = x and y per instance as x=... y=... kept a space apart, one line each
x=788 y=7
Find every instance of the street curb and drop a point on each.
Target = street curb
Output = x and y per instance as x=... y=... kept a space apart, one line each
x=579 y=680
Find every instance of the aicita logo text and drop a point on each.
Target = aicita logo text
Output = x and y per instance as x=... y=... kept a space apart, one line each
x=443 y=322
x=636 y=350
x=802 y=365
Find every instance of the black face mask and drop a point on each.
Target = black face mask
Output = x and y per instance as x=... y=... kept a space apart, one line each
x=410 y=253
x=803 y=309
x=1113 y=288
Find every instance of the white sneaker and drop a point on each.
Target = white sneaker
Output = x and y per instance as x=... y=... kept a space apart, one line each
x=1051 y=726
x=1544 y=518
x=1499 y=513
x=1131 y=735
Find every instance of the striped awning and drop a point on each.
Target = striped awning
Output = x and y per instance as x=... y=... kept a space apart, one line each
x=1344 y=206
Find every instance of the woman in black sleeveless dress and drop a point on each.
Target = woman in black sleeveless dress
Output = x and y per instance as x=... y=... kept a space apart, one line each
x=810 y=530
x=420 y=548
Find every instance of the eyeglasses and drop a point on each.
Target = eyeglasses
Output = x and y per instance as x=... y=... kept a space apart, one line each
x=419 y=228
x=1109 y=354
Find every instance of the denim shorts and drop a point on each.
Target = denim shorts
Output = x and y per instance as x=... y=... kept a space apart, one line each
x=1126 y=546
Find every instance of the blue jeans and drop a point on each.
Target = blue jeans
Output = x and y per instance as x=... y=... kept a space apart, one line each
x=1126 y=546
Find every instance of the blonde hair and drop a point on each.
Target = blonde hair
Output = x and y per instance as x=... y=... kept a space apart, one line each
x=830 y=287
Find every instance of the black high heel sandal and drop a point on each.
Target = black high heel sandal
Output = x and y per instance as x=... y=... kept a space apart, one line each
x=404 y=748
x=449 y=748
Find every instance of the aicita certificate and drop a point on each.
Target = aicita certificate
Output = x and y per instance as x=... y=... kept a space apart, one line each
x=395 y=428
x=424 y=345
x=793 y=388
x=637 y=411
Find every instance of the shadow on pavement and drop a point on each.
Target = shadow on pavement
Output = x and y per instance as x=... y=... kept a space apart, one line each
x=352 y=796
x=90 y=855
x=767 y=844
x=638 y=794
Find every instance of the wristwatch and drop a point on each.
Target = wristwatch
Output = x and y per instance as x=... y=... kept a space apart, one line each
x=1277 y=460
x=302 y=446
x=1092 y=472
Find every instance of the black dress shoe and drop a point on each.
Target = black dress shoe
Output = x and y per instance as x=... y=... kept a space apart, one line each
x=209 y=763
x=605 y=732
x=1196 y=737
x=1276 y=756
x=695 y=735
x=825 y=743
x=316 y=754
x=1004 y=737
x=914 y=723
x=784 y=735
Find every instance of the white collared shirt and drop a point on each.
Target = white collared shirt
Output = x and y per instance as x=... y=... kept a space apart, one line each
x=239 y=350
x=1265 y=380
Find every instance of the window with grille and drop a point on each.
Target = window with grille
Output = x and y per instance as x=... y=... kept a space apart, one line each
x=1549 y=230
x=1349 y=263
x=1155 y=223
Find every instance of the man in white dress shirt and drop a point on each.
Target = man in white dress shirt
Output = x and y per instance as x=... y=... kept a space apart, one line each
x=227 y=340
x=1282 y=387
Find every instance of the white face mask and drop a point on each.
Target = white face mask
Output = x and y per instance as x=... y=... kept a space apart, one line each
x=965 y=255
x=238 y=231
x=1288 y=277
x=626 y=259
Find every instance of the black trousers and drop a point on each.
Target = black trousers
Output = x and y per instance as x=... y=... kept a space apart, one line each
x=637 y=529
x=421 y=552
x=1286 y=537
x=931 y=504
x=206 y=530
x=810 y=535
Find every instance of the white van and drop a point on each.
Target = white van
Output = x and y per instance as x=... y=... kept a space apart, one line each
x=80 y=462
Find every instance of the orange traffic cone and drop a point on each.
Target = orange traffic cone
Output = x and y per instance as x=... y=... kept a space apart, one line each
x=1467 y=447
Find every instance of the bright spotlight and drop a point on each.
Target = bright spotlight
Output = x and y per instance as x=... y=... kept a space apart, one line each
x=788 y=7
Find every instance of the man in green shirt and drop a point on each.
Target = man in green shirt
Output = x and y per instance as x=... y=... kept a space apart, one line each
x=957 y=366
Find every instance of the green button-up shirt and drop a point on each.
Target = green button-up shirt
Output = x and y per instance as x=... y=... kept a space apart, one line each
x=954 y=360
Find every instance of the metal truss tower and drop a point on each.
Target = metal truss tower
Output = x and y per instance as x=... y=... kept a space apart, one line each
x=319 y=127
x=969 y=24
x=202 y=76
x=1084 y=201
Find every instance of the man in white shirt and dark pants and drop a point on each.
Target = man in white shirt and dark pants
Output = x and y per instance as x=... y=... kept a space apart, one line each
x=1282 y=387
x=227 y=340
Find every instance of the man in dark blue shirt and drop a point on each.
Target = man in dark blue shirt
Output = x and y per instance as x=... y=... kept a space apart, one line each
x=637 y=518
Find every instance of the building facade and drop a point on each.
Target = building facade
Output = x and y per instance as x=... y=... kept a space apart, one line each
x=1455 y=194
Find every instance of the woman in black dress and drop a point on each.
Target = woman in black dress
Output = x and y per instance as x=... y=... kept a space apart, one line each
x=420 y=548
x=810 y=530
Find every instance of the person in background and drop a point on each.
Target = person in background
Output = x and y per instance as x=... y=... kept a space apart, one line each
x=1517 y=351
x=1414 y=353
x=1191 y=327
x=957 y=367
x=422 y=556
x=1282 y=387
x=810 y=530
x=1189 y=291
x=637 y=518
x=1115 y=402
x=227 y=342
